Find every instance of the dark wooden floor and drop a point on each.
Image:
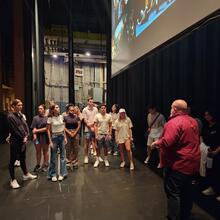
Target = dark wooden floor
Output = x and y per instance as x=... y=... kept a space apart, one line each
x=87 y=194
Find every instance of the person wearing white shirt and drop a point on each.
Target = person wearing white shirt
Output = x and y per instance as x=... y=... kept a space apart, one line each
x=88 y=115
x=103 y=132
x=124 y=137
x=57 y=139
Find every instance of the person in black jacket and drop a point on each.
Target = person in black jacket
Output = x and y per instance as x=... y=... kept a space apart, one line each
x=19 y=131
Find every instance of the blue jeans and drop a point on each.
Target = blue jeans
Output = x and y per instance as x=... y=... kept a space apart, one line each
x=58 y=143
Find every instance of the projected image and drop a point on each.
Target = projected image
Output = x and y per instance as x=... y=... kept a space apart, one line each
x=123 y=25
x=151 y=11
x=139 y=26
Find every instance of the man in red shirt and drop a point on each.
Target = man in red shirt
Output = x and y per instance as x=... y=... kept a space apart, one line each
x=180 y=158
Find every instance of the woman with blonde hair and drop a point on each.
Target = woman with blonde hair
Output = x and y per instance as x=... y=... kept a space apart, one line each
x=123 y=137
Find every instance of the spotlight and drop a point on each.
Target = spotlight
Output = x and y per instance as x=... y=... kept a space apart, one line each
x=54 y=56
x=88 y=54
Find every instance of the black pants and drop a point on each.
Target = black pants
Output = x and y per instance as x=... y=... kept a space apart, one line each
x=178 y=188
x=17 y=149
x=213 y=176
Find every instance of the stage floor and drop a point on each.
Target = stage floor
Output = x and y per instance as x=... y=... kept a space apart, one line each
x=103 y=193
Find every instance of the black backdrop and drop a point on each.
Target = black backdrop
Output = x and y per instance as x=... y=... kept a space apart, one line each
x=187 y=67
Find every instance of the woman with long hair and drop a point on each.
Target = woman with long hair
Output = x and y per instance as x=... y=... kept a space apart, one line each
x=19 y=131
x=57 y=139
x=113 y=146
x=72 y=122
x=123 y=137
x=210 y=137
x=40 y=138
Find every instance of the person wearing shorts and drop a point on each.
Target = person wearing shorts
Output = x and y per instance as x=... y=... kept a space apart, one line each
x=103 y=132
x=88 y=115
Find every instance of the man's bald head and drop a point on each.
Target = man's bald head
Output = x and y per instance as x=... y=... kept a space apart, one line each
x=178 y=105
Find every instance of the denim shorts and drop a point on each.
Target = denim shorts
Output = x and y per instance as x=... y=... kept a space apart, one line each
x=103 y=141
x=89 y=135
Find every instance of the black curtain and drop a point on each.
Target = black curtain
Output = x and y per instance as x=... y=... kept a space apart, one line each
x=28 y=17
x=188 y=68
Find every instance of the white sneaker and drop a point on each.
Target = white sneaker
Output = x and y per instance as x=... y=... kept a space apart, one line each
x=115 y=153
x=17 y=163
x=54 y=179
x=86 y=160
x=158 y=166
x=14 y=184
x=106 y=163
x=131 y=166
x=100 y=159
x=147 y=160
x=96 y=164
x=60 y=178
x=122 y=164
x=29 y=176
x=208 y=192
x=218 y=198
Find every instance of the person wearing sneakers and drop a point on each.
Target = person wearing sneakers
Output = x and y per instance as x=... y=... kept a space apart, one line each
x=40 y=138
x=113 y=146
x=210 y=137
x=72 y=122
x=103 y=132
x=180 y=158
x=88 y=115
x=155 y=121
x=57 y=139
x=17 y=162
x=19 y=131
x=123 y=137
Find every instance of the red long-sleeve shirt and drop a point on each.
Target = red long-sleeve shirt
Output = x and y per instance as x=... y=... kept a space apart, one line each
x=179 y=144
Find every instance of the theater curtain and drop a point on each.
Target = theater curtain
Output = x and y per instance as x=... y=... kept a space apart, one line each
x=187 y=68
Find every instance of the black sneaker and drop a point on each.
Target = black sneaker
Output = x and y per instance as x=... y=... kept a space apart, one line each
x=37 y=168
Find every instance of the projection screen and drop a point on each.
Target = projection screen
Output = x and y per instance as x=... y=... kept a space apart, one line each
x=138 y=26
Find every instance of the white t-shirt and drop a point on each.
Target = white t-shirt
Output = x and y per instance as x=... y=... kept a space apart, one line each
x=123 y=127
x=103 y=122
x=89 y=115
x=57 y=123
x=114 y=118
x=157 y=128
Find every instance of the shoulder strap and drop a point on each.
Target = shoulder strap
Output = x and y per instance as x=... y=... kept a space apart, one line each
x=154 y=121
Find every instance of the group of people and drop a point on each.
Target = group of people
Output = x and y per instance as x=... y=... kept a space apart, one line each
x=61 y=134
x=185 y=148
x=107 y=131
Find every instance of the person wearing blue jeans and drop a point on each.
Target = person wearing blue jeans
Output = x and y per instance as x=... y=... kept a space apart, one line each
x=57 y=139
x=58 y=146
